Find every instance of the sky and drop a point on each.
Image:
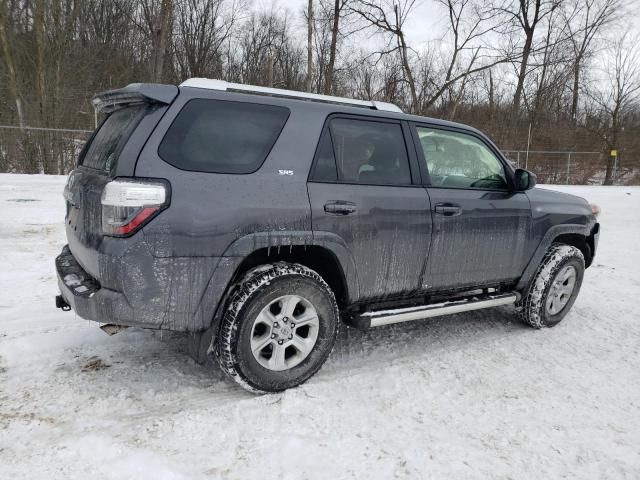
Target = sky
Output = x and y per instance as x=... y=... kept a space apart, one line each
x=428 y=20
x=423 y=24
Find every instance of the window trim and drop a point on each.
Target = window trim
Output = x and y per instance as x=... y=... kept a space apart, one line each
x=208 y=99
x=424 y=167
x=414 y=175
x=314 y=164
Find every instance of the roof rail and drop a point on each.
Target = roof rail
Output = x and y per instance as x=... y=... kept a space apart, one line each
x=212 y=84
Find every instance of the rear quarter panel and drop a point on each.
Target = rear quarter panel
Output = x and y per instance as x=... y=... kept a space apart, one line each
x=210 y=211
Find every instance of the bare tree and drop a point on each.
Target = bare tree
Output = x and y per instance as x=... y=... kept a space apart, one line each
x=269 y=55
x=615 y=95
x=55 y=54
x=328 y=25
x=320 y=43
x=525 y=15
x=7 y=51
x=257 y=41
x=469 y=24
x=461 y=90
x=155 y=22
x=389 y=17
x=309 y=44
x=203 y=26
x=160 y=35
x=585 y=20
x=338 y=6
x=550 y=67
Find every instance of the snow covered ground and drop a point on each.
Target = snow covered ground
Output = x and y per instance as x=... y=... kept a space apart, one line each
x=476 y=395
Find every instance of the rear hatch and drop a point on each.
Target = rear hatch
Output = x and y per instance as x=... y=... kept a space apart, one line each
x=110 y=153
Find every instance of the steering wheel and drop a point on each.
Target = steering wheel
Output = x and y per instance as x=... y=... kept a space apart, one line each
x=491 y=180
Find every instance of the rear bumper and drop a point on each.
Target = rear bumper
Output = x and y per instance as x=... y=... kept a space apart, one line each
x=179 y=293
x=85 y=295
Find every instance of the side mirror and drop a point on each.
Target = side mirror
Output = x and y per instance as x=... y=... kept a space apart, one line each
x=524 y=180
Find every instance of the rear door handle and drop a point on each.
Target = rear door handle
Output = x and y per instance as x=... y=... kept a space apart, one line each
x=448 y=209
x=340 y=208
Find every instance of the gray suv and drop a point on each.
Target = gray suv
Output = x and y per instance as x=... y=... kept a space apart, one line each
x=258 y=220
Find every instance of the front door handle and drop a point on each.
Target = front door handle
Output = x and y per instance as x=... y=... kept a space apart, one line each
x=340 y=208
x=448 y=209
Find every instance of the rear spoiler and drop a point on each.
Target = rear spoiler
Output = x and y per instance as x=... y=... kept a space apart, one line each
x=133 y=94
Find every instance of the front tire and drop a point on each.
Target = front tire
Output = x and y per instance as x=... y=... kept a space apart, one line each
x=279 y=328
x=554 y=288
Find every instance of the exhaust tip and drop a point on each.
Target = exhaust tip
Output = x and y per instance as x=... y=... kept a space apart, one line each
x=111 y=329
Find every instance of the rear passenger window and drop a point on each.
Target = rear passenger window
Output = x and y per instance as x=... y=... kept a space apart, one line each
x=365 y=152
x=219 y=136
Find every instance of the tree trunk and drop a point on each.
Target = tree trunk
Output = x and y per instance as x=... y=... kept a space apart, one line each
x=161 y=34
x=613 y=144
x=39 y=30
x=407 y=70
x=328 y=83
x=492 y=100
x=11 y=68
x=41 y=152
x=526 y=52
x=309 y=44
x=576 y=85
x=269 y=70
x=458 y=97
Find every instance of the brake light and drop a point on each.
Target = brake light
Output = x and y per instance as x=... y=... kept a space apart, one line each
x=129 y=204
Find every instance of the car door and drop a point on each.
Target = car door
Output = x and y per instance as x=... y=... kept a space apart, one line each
x=480 y=224
x=364 y=194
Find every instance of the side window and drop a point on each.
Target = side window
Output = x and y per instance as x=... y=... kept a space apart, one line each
x=219 y=136
x=458 y=160
x=364 y=152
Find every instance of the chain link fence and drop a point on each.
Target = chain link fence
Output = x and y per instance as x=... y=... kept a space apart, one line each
x=556 y=167
x=55 y=150
x=40 y=150
x=575 y=168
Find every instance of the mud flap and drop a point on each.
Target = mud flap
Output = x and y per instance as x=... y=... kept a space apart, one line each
x=198 y=344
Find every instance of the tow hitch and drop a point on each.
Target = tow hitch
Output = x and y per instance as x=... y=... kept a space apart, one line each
x=62 y=303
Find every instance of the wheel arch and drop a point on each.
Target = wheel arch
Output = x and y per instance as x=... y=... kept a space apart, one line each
x=324 y=252
x=320 y=259
x=580 y=242
x=570 y=234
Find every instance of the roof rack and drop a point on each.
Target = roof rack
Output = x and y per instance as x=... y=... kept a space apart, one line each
x=212 y=84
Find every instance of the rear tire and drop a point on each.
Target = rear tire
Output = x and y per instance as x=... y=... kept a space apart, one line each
x=259 y=344
x=554 y=287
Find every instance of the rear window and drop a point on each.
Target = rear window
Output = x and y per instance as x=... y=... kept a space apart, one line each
x=102 y=152
x=219 y=136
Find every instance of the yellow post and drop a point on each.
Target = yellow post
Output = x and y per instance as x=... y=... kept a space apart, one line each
x=614 y=154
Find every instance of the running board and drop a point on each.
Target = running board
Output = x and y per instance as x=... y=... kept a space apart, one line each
x=477 y=302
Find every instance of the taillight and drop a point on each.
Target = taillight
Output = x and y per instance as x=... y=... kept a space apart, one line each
x=128 y=204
